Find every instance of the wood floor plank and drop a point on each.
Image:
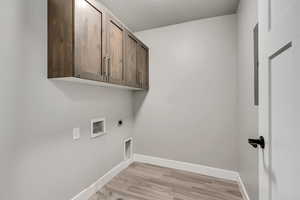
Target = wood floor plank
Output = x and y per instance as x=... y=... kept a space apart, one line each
x=149 y=182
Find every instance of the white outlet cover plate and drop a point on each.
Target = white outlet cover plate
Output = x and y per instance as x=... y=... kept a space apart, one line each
x=76 y=133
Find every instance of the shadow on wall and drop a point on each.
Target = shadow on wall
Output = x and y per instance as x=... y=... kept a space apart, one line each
x=81 y=92
x=138 y=101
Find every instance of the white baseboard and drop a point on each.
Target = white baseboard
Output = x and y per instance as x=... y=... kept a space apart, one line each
x=243 y=189
x=92 y=189
x=200 y=169
x=209 y=171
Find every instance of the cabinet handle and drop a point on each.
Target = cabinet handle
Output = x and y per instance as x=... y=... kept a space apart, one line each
x=109 y=67
x=106 y=69
x=140 y=81
x=137 y=78
x=103 y=71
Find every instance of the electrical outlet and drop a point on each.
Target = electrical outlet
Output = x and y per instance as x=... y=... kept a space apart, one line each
x=76 y=133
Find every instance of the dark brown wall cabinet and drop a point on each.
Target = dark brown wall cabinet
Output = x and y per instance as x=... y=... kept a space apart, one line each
x=143 y=63
x=87 y=44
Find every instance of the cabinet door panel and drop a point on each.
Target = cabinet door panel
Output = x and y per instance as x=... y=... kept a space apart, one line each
x=131 y=61
x=142 y=62
x=60 y=38
x=88 y=40
x=115 y=52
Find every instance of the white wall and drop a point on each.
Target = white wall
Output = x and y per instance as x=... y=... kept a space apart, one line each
x=39 y=159
x=248 y=113
x=190 y=112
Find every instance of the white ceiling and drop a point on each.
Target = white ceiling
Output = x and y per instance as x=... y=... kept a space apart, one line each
x=146 y=14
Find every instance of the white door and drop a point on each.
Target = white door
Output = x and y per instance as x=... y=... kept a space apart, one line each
x=279 y=111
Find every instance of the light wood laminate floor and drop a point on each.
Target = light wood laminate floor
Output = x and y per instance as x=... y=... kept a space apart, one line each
x=148 y=182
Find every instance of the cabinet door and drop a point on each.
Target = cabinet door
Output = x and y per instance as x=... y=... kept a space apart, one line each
x=89 y=41
x=143 y=66
x=131 y=61
x=116 y=46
